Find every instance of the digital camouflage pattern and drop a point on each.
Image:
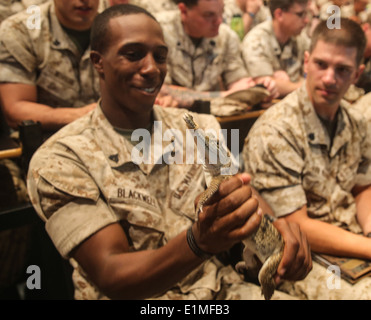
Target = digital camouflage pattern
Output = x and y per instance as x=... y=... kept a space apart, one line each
x=231 y=8
x=10 y=7
x=47 y=58
x=203 y=68
x=290 y=156
x=83 y=179
x=363 y=105
x=321 y=284
x=263 y=55
x=293 y=163
x=150 y=5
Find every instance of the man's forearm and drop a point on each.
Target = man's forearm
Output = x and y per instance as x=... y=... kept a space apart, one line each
x=327 y=238
x=363 y=202
x=50 y=118
x=285 y=86
x=186 y=97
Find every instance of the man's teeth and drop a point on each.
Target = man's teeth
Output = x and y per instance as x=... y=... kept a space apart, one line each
x=149 y=90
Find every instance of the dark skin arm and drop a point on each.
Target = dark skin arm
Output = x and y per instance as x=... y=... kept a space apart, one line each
x=296 y=261
x=121 y=274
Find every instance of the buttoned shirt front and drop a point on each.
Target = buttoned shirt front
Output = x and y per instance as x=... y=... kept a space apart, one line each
x=151 y=6
x=293 y=162
x=44 y=56
x=263 y=55
x=10 y=7
x=88 y=176
x=201 y=68
x=231 y=8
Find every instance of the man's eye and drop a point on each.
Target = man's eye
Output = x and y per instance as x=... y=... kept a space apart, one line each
x=161 y=58
x=133 y=56
x=343 y=70
x=321 y=64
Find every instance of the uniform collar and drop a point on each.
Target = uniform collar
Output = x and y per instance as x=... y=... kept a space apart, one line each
x=60 y=40
x=316 y=132
x=287 y=51
x=185 y=43
x=119 y=151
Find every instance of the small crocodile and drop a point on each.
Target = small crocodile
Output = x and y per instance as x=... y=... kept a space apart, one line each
x=266 y=242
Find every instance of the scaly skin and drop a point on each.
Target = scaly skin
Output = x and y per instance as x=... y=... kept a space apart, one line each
x=266 y=242
x=211 y=144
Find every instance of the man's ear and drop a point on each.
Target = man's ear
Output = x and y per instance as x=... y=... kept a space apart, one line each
x=277 y=14
x=359 y=72
x=96 y=59
x=306 y=59
x=365 y=27
x=182 y=8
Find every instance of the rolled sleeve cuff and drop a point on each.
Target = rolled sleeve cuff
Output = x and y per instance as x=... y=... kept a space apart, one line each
x=75 y=222
x=259 y=69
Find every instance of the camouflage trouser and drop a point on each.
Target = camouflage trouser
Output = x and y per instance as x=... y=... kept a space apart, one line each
x=235 y=291
x=231 y=287
x=14 y=243
x=320 y=284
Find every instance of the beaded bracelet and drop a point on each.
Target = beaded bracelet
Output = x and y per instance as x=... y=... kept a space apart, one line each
x=195 y=248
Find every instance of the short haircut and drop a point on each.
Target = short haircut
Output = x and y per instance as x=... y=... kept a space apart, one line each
x=188 y=3
x=284 y=5
x=99 y=37
x=349 y=35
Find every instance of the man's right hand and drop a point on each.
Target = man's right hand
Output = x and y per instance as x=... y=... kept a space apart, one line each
x=232 y=214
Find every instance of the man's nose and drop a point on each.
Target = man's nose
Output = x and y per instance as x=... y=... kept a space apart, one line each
x=329 y=76
x=219 y=19
x=149 y=65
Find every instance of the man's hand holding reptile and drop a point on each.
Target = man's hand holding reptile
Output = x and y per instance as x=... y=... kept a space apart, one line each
x=229 y=217
x=230 y=211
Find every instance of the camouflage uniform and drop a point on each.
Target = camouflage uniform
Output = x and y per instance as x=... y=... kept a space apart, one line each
x=346 y=11
x=201 y=68
x=153 y=203
x=289 y=154
x=47 y=58
x=10 y=7
x=231 y=8
x=151 y=6
x=263 y=55
x=363 y=105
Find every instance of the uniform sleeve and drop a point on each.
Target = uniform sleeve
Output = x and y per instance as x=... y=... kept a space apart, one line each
x=66 y=197
x=17 y=58
x=255 y=53
x=364 y=169
x=275 y=165
x=234 y=69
